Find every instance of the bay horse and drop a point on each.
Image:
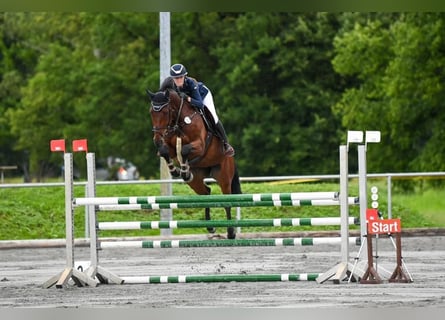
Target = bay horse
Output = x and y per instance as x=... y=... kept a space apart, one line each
x=184 y=138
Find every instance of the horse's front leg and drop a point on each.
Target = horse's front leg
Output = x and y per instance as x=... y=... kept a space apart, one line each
x=185 y=152
x=164 y=152
x=174 y=171
x=185 y=172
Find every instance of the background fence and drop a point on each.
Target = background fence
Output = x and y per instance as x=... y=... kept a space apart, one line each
x=389 y=177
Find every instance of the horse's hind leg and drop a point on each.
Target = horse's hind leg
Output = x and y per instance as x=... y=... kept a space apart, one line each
x=231 y=234
x=225 y=176
x=207 y=216
x=201 y=188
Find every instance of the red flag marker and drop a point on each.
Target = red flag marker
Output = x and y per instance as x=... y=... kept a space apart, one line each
x=80 y=145
x=371 y=215
x=57 y=145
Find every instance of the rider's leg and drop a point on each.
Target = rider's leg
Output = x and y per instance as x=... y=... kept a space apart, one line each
x=210 y=105
x=228 y=149
x=208 y=102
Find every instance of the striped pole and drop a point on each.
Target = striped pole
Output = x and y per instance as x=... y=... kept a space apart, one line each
x=220 y=278
x=209 y=198
x=151 y=244
x=283 y=222
x=184 y=205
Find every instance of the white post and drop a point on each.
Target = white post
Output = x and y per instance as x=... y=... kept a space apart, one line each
x=164 y=64
x=91 y=188
x=363 y=195
x=340 y=271
x=69 y=214
x=87 y=216
x=61 y=279
x=95 y=271
x=344 y=205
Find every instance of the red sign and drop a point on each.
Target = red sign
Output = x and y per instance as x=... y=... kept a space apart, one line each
x=57 y=145
x=384 y=226
x=80 y=145
x=371 y=215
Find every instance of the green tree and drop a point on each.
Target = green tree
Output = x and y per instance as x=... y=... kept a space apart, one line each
x=276 y=86
x=397 y=71
x=89 y=83
x=287 y=85
x=17 y=61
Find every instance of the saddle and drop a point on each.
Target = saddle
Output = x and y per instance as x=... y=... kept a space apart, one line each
x=209 y=121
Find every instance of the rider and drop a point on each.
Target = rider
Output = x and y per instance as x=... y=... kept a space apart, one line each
x=199 y=96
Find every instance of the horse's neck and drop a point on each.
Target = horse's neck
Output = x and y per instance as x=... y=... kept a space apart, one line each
x=193 y=122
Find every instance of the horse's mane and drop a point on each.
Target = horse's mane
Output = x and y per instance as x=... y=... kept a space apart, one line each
x=160 y=98
x=168 y=83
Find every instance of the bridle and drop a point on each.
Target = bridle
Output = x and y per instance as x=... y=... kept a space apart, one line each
x=173 y=120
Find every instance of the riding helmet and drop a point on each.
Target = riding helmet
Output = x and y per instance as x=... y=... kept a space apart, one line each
x=178 y=70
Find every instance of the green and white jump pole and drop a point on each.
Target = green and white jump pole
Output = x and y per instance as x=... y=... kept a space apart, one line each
x=221 y=278
x=237 y=198
x=175 y=224
x=278 y=242
x=179 y=205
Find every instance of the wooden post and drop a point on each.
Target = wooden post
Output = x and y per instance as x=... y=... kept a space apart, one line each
x=399 y=275
x=370 y=276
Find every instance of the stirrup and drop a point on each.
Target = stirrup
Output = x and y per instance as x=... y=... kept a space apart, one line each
x=229 y=151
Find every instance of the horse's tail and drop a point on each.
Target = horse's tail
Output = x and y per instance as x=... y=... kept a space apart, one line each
x=236 y=184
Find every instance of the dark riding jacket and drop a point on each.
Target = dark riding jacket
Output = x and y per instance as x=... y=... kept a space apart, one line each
x=195 y=90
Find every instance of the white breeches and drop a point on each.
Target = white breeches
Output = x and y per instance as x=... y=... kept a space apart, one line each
x=208 y=102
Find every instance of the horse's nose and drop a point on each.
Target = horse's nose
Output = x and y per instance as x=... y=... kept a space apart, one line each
x=161 y=147
x=163 y=151
x=159 y=143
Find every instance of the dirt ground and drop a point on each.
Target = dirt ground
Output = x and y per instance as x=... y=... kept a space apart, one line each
x=23 y=271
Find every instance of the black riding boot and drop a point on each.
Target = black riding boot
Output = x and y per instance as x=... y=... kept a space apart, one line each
x=228 y=149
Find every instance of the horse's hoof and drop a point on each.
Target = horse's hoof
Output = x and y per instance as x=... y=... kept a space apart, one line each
x=231 y=234
x=186 y=178
x=211 y=230
x=175 y=173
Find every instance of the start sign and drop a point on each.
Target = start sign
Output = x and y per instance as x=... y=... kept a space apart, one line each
x=384 y=226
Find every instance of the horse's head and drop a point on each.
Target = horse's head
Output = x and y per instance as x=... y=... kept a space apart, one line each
x=164 y=112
